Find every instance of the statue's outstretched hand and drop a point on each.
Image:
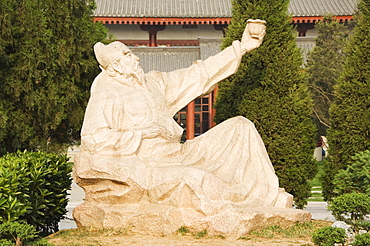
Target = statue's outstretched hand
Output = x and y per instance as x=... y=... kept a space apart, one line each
x=253 y=35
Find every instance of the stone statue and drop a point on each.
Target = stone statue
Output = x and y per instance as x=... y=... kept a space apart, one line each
x=132 y=162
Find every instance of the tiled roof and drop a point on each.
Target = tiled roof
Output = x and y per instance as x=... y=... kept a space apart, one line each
x=211 y=8
x=302 y=8
x=163 y=8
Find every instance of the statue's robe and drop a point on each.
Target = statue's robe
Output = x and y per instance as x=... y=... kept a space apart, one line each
x=227 y=165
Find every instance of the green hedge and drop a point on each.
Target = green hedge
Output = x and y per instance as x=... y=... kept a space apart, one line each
x=329 y=236
x=33 y=188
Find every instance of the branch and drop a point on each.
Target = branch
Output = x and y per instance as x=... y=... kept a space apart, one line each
x=321 y=91
x=318 y=117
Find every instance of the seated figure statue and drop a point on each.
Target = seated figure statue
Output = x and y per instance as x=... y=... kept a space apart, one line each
x=131 y=153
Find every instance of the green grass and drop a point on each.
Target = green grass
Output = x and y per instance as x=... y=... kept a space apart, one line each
x=298 y=230
x=85 y=232
x=316 y=195
x=316 y=181
x=316 y=184
x=183 y=230
x=200 y=234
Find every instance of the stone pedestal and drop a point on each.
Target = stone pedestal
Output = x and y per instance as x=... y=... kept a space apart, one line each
x=163 y=220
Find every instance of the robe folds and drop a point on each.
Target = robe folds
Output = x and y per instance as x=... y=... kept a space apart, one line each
x=227 y=165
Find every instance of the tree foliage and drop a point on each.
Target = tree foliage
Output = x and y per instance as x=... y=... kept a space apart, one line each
x=349 y=113
x=362 y=240
x=329 y=236
x=270 y=90
x=324 y=65
x=352 y=209
x=46 y=67
x=356 y=177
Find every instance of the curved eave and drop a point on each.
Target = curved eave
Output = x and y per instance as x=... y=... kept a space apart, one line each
x=162 y=21
x=314 y=19
x=198 y=21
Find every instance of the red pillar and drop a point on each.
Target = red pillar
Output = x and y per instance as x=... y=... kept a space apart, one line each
x=213 y=112
x=152 y=29
x=210 y=110
x=190 y=119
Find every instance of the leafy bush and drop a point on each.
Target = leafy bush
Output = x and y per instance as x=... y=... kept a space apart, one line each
x=356 y=177
x=36 y=185
x=351 y=208
x=329 y=236
x=11 y=179
x=362 y=240
x=4 y=242
x=15 y=233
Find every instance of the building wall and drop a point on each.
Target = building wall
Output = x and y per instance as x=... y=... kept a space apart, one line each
x=132 y=32
x=177 y=32
x=311 y=33
x=171 y=32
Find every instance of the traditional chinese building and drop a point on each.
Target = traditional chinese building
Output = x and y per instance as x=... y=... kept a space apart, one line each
x=171 y=34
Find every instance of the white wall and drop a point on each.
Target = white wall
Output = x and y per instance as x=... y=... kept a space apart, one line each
x=311 y=33
x=171 y=32
x=178 y=33
x=127 y=32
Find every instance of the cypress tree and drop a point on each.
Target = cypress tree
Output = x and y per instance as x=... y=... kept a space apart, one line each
x=47 y=65
x=324 y=65
x=270 y=90
x=350 y=112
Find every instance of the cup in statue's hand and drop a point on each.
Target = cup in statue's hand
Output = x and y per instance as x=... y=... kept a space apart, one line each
x=256 y=27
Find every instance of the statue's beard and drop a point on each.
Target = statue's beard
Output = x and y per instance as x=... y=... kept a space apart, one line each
x=139 y=75
x=136 y=76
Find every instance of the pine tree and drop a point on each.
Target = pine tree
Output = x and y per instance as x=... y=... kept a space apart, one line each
x=349 y=132
x=270 y=90
x=324 y=65
x=47 y=65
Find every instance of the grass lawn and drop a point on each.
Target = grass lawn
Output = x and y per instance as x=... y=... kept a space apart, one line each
x=316 y=184
x=298 y=234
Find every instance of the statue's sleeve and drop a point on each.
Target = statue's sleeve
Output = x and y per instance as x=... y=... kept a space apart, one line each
x=184 y=85
x=105 y=133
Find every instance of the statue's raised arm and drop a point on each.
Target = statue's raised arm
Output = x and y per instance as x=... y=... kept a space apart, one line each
x=182 y=86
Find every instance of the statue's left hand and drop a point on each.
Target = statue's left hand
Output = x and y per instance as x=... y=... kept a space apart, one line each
x=253 y=35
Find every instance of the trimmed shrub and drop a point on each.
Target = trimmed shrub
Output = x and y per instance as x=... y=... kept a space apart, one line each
x=356 y=177
x=270 y=89
x=351 y=208
x=349 y=131
x=15 y=233
x=11 y=179
x=329 y=236
x=36 y=188
x=362 y=240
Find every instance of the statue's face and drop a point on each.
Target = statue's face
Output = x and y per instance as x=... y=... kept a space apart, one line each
x=127 y=64
x=130 y=62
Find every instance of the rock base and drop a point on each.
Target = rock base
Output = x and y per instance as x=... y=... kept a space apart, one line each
x=163 y=220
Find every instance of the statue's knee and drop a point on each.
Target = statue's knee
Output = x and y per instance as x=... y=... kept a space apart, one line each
x=240 y=120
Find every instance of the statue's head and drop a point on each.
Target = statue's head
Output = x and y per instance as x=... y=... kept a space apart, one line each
x=118 y=60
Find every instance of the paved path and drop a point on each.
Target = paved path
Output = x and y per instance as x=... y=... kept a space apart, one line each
x=77 y=195
x=319 y=211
